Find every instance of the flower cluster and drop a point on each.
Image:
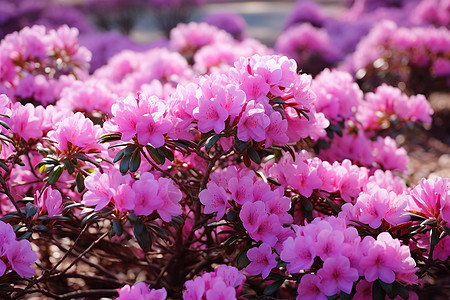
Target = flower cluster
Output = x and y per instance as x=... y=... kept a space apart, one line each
x=15 y=255
x=141 y=290
x=224 y=283
x=35 y=62
x=142 y=196
x=344 y=257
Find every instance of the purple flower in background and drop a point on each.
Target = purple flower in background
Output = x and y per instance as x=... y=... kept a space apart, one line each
x=232 y=23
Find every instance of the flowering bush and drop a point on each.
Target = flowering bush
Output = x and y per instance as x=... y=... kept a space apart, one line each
x=208 y=171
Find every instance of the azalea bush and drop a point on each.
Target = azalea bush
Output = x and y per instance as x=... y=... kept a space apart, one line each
x=209 y=168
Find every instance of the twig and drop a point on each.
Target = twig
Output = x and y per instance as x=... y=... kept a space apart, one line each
x=84 y=252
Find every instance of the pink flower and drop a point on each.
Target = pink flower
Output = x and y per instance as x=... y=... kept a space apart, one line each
x=2 y=268
x=220 y=291
x=141 y=290
x=268 y=229
x=230 y=275
x=372 y=208
x=241 y=189
x=170 y=195
x=195 y=289
x=50 y=201
x=253 y=123
x=309 y=289
x=385 y=258
x=329 y=243
x=102 y=188
x=336 y=274
x=146 y=195
x=123 y=198
x=215 y=199
x=211 y=114
x=76 y=134
x=262 y=260
x=21 y=256
x=7 y=236
x=432 y=198
x=299 y=253
x=276 y=131
x=250 y=215
x=151 y=128
x=25 y=121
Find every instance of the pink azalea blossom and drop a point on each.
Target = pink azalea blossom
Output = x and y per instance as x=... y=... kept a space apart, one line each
x=309 y=288
x=276 y=131
x=220 y=291
x=171 y=196
x=337 y=275
x=215 y=199
x=253 y=123
x=146 y=195
x=7 y=236
x=262 y=260
x=299 y=253
x=21 y=257
x=50 y=201
x=141 y=290
x=250 y=215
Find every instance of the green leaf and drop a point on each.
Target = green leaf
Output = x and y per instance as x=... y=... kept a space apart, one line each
x=4 y=124
x=129 y=149
x=166 y=153
x=434 y=236
x=25 y=236
x=79 y=180
x=378 y=293
x=40 y=227
x=135 y=160
x=211 y=141
x=89 y=218
x=110 y=137
x=31 y=209
x=11 y=215
x=301 y=113
x=242 y=260
x=159 y=232
x=400 y=290
x=143 y=236
x=239 y=145
x=73 y=205
x=117 y=227
x=272 y=288
x=125 y=164
x=18 y=227
x=119 y=155
x=277 y=100
x=335 y=128
x=4 y=166
x=158 y=158
x=231 y=215
x=447 y=230
x=387 y=287
x=253 y=155
x=414 y=228
x=273 y=181
x=26 y=200
x=230 y=241
x=55 y=174
x=329 y=132
x=69 y=166
x=132 y=217
x=215 y=224
x=55 y=218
